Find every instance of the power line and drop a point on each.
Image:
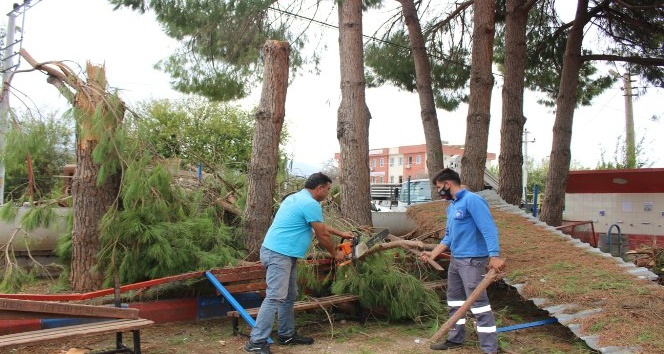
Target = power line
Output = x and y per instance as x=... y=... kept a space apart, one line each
x=373 y=38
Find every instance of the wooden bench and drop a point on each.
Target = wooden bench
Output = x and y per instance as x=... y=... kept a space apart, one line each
x=308 y=304
x=111 y=326
x=111 y=320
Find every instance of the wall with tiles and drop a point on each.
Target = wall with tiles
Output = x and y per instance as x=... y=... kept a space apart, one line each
x=635 y=213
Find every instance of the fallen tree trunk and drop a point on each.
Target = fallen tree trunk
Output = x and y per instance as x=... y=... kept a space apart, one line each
x=416 y=252
x=489 y=278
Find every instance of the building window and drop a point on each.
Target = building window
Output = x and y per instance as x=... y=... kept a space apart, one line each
x=391 y=161
x=410 y=160
x=400 y=161
x=382 y=162
x=391 y=179
x=400 y=179
x=373 y=162
x=418 y=159
x=381 y=179
x=373 y=179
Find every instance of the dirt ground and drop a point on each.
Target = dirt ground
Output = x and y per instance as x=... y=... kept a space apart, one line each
x=344 y=336
x=548 y=266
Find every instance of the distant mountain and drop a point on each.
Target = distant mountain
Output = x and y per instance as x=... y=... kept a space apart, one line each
x=304 y=169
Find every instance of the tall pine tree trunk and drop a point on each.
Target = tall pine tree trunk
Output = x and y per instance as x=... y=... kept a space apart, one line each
x=473 y=162
x=353 y=117
x=91 y=198
x=434 y=158
x=556 y=179
x=265 y=146
x=511 y=159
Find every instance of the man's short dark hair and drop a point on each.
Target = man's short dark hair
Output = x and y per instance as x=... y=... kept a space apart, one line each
x=317 y=179
x=446 y=174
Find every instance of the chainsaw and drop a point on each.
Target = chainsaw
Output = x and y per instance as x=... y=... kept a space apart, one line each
x=354 y=249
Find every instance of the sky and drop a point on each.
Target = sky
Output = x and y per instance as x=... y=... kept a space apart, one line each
x=130 y=44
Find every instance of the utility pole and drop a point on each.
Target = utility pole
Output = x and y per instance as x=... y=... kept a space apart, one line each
x=629 y=122
x=524 y=166
x=7 y=67
x=630 y=144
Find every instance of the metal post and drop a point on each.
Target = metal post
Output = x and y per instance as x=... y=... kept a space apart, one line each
x=524 y=166
x=7 y=65
x=408 y=187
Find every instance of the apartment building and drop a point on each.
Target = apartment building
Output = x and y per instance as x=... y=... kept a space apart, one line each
x=396 y=164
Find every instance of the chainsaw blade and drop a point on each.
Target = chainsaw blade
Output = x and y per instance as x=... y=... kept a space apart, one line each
x=377 y=238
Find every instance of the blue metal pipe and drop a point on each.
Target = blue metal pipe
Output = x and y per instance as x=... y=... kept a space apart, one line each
x=231 y=300
x=535 y=193
x=527 y=325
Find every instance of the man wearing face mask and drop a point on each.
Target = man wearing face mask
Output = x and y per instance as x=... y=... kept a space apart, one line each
x=472 y=238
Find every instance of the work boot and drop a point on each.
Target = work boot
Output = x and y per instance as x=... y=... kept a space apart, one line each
x=263 y=348
x=445 y=345
x=295 y=339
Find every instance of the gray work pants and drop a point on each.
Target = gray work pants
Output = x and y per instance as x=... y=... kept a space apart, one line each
x=463 y=276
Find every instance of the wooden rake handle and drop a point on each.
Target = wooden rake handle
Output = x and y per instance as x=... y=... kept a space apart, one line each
x=489 y=278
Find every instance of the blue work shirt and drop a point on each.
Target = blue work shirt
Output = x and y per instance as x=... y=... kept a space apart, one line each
x=290 y=233
x=471 y=231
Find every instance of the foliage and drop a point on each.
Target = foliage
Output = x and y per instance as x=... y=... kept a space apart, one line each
x=537 y=174
x=195 y=130
x=380 y=283
x=620 y=156
x=220 y=54
x=162 y=229
x=390 y=61
x=545 y=49
x=168 y=221
x=636 y=31
x=47 y=141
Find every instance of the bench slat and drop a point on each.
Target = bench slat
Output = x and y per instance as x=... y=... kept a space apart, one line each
x=43 y=335
x=306 y=304
x=18 y=306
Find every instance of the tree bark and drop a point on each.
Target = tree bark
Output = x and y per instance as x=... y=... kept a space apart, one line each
x=91 y=198
x=511 y=160
x=556 y=179
x=434 y=145
x=265 y=147
x=473 y=162
x=353 y=117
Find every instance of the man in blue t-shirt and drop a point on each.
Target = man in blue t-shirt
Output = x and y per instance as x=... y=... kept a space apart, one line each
x=288 y=239
x=472 y=238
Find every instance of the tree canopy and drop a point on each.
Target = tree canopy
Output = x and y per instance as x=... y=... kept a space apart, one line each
x=196 y=130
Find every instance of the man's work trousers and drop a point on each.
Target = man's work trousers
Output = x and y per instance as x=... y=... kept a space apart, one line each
x=463 y=276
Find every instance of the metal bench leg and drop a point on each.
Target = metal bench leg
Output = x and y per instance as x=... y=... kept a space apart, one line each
x=137 y=341
x=118 y=341
x=236 y=326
